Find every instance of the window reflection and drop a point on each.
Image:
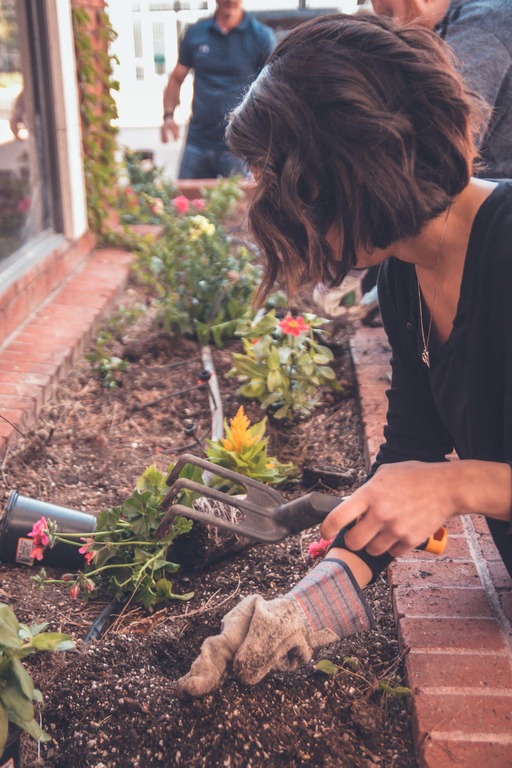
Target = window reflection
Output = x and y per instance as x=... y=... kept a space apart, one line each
x=20 y=196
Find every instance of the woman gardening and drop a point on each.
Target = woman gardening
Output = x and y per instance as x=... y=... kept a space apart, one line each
x=360 y=136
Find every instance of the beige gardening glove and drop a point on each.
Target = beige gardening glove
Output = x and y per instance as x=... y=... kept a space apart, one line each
x=258 y=636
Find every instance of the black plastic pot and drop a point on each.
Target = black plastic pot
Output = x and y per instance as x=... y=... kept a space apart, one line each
x=21 y=514
x=11 y=756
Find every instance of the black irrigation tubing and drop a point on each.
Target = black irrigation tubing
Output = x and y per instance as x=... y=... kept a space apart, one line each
x=138 y=407
x=12 y=425
x=103 y=621
x=169 y=366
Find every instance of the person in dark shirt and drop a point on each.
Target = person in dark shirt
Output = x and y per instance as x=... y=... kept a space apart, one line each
x=226 y=52
x=364 y=157
x=479 y=32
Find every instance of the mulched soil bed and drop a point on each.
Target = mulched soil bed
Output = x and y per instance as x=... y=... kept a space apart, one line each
x=110 y=703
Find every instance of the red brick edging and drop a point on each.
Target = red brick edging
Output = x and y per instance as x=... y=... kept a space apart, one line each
x=44 y=347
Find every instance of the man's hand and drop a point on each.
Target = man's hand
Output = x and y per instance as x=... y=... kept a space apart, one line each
x=169 y=127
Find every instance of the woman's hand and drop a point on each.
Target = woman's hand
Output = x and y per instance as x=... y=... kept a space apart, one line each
x=405 y=503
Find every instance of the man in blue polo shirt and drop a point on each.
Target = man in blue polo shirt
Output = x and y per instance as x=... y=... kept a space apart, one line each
x=226 y=52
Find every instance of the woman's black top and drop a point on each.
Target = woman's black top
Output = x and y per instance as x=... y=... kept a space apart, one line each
x=464 y=400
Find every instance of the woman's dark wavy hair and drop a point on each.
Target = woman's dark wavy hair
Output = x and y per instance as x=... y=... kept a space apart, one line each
x=355 y=124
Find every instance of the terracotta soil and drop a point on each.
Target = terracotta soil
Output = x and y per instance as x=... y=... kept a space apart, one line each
x=110 y=703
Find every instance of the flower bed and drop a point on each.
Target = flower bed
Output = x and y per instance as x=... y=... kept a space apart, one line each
x=112 y=703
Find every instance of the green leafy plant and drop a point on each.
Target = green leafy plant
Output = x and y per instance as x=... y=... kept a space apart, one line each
x=385 y=687
x=203 y=281
x=108 y=366
x=17 y=691
x=283 y=365
x=244 y=449
x=123 y=556
x=146 y=193
x=93 y=34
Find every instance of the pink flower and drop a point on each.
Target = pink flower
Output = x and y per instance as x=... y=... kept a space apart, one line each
x=23 y=205
x=293 y=326
x=157 y=206
x=181 y=203
x=88 y=544
x=318 y=548
x=89 y=585
x=39 y=533
x=198 y=203
x=87 y=551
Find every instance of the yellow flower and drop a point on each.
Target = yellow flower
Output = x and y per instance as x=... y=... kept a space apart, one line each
x=200 y=225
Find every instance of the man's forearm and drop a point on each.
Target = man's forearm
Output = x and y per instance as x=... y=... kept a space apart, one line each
x=171 y=96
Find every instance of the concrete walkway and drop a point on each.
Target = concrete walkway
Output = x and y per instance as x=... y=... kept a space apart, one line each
x=454 y=613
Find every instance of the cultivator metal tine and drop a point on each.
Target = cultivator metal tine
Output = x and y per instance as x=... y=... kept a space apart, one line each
x=256 y=505
x=269 y=496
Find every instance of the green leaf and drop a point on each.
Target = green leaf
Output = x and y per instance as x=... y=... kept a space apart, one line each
x=17 y=704
x=273 y=359
x=327 y=667
x=274 y=380
x=395 y=691
x=9 y=627
x=283 y=412
x=32 y=727
x=50 y=641
x=35 y=629
x=24 y=679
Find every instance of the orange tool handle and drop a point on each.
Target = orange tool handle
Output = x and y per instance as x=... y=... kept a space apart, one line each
x=436 y=544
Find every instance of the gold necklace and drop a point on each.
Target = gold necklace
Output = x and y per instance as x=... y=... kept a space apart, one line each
x=425 y=355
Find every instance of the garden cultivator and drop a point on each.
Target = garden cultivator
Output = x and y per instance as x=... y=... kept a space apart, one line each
x=260 y=513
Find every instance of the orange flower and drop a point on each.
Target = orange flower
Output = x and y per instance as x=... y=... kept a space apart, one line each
x=293 y=326
x=238 y=437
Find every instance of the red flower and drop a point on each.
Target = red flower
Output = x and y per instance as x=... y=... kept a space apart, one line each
x=181 y=203
x=199 y=204
x=37 y=553
x=293 y=326
x=74 y=591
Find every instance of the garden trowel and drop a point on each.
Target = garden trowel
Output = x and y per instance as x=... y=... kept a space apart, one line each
x=258 y=512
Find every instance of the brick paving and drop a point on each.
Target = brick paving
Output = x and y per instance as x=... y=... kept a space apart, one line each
x=453 y=612
x=454 y=616
x=40 y=351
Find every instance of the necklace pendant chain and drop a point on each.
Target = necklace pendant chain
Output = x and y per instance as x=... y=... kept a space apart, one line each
x=425 y=355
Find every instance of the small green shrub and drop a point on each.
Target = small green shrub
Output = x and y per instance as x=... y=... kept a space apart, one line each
x=283 y=364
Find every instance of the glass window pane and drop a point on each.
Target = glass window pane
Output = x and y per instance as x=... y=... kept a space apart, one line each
x=21 y=193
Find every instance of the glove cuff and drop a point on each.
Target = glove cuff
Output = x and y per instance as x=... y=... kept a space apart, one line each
x=329 y=597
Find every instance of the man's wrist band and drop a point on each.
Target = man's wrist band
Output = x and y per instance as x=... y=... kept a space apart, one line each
x=168 y=114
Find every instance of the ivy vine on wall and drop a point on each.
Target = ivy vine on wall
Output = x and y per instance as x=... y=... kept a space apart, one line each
x=93 y=34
